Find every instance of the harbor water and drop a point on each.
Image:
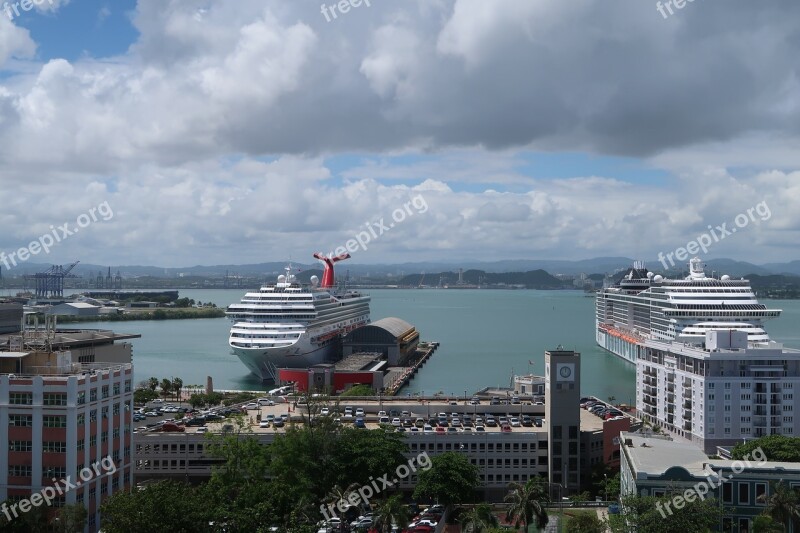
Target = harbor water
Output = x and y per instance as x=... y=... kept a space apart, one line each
x=485 y=336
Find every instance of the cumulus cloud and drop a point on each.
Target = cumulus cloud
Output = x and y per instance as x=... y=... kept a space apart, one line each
x=213 y=135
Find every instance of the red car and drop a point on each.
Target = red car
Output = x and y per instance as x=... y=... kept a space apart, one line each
x=171 y=426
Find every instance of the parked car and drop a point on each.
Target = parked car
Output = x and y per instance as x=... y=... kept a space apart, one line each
x=480 y=428
x=197 y=421
x=250 y=406
x=360 y=423
x=324 y=411
x=515 y=422
x=278 y=423
x=359 y=412
x=172 y=426
x=505 y=429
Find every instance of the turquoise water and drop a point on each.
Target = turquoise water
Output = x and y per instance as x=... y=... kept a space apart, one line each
x=485 y=335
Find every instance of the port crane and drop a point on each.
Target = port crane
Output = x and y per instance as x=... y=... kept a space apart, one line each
x=50 y=283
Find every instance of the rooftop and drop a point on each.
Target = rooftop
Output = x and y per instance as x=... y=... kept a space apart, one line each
x=652 y=456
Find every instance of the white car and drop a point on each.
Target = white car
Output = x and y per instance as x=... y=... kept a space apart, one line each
x=264 y=424
x=251 y=406
x=265 y=401
x=359 y=412
x=396 y=422
x=202 y=430
x=382 y=413
x=325 y=411
x=514 y=422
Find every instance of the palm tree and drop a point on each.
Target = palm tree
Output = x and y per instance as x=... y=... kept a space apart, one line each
x=177 y=384
x=152 y=383
x=166 y=386
x=479 y=520
x=526 y=503
x=782 y=505
x=612 y=399
x=391 y=512
x=337 y=494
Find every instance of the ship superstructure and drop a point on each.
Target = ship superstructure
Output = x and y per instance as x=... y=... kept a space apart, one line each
x=290 y=325
x=644 y=306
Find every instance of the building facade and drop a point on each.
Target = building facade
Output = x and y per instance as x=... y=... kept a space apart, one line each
x=721 y=393
x=65 y=422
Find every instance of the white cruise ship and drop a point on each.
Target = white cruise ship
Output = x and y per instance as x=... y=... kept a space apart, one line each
x=646 y=306
x=288 y=325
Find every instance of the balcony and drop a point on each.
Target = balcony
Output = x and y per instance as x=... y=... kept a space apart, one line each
x=761 y=399
x=687 y=393
x=687 y=414
x=760 y=411
x=687 y=404
x=775 y=398
x=671 y=387
x=687 y=426
x=759 y=422
x=775 y=421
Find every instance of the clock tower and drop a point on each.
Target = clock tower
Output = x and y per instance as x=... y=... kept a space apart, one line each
x=562 y=413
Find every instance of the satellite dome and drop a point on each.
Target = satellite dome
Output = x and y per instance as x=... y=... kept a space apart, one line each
x=281 y=278
x=650 y=275
x=658 y=278
x=725 y=277
x=314 y=280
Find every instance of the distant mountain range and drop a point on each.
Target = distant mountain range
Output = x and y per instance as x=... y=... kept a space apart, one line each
x=434 y=269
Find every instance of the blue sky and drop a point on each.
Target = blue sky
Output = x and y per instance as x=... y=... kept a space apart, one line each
x=244 y=132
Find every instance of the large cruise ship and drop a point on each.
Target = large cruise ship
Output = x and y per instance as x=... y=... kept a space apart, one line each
x=645 y=306
x=289 y=325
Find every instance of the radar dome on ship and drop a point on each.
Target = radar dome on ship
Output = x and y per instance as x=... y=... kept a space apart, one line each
x=650 y=275
x=314 y=280
x=658 y=278
x=725 y=277
x=281 y=278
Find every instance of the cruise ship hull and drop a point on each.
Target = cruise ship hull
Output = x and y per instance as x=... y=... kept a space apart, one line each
x=618 y=343
x=264 y=362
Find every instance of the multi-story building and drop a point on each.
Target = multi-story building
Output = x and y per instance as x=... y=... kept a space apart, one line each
x=720 y=393
x=63 y=421
x=656 y=465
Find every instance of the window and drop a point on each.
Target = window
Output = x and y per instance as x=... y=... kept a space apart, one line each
x=116 y=433
x=20 y=398
x=116 y=389
x=81 y=444
x=20 y=420
x=127 y=385
x=54 y=447
x=54 y=421
x=761 y=494
x=104 y=437
x=81 y=419
x=81 y=398
x=20 y=446
x=93 y=440
x=93 y=415
x=744 y=494
x=19 y=470
x=55 y=398
x=727 y=492
x=105 y=412
x=105 y=391
x=93 y=395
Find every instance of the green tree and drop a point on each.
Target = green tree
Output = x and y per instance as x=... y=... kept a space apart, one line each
x=450 y=479
x=144 y=395
x=153 y=384
x=391 y=511
x=776 y=447
x=647 y=513
x=585 y=522
x=166 y=386
x=70 y=519
x=177 y=385
x=479 y=519
x=167 y=505
x=765 y=524
x=782 y=505
x=527 y=503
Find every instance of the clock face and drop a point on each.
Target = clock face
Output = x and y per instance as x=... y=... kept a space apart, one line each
x=566 y=372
